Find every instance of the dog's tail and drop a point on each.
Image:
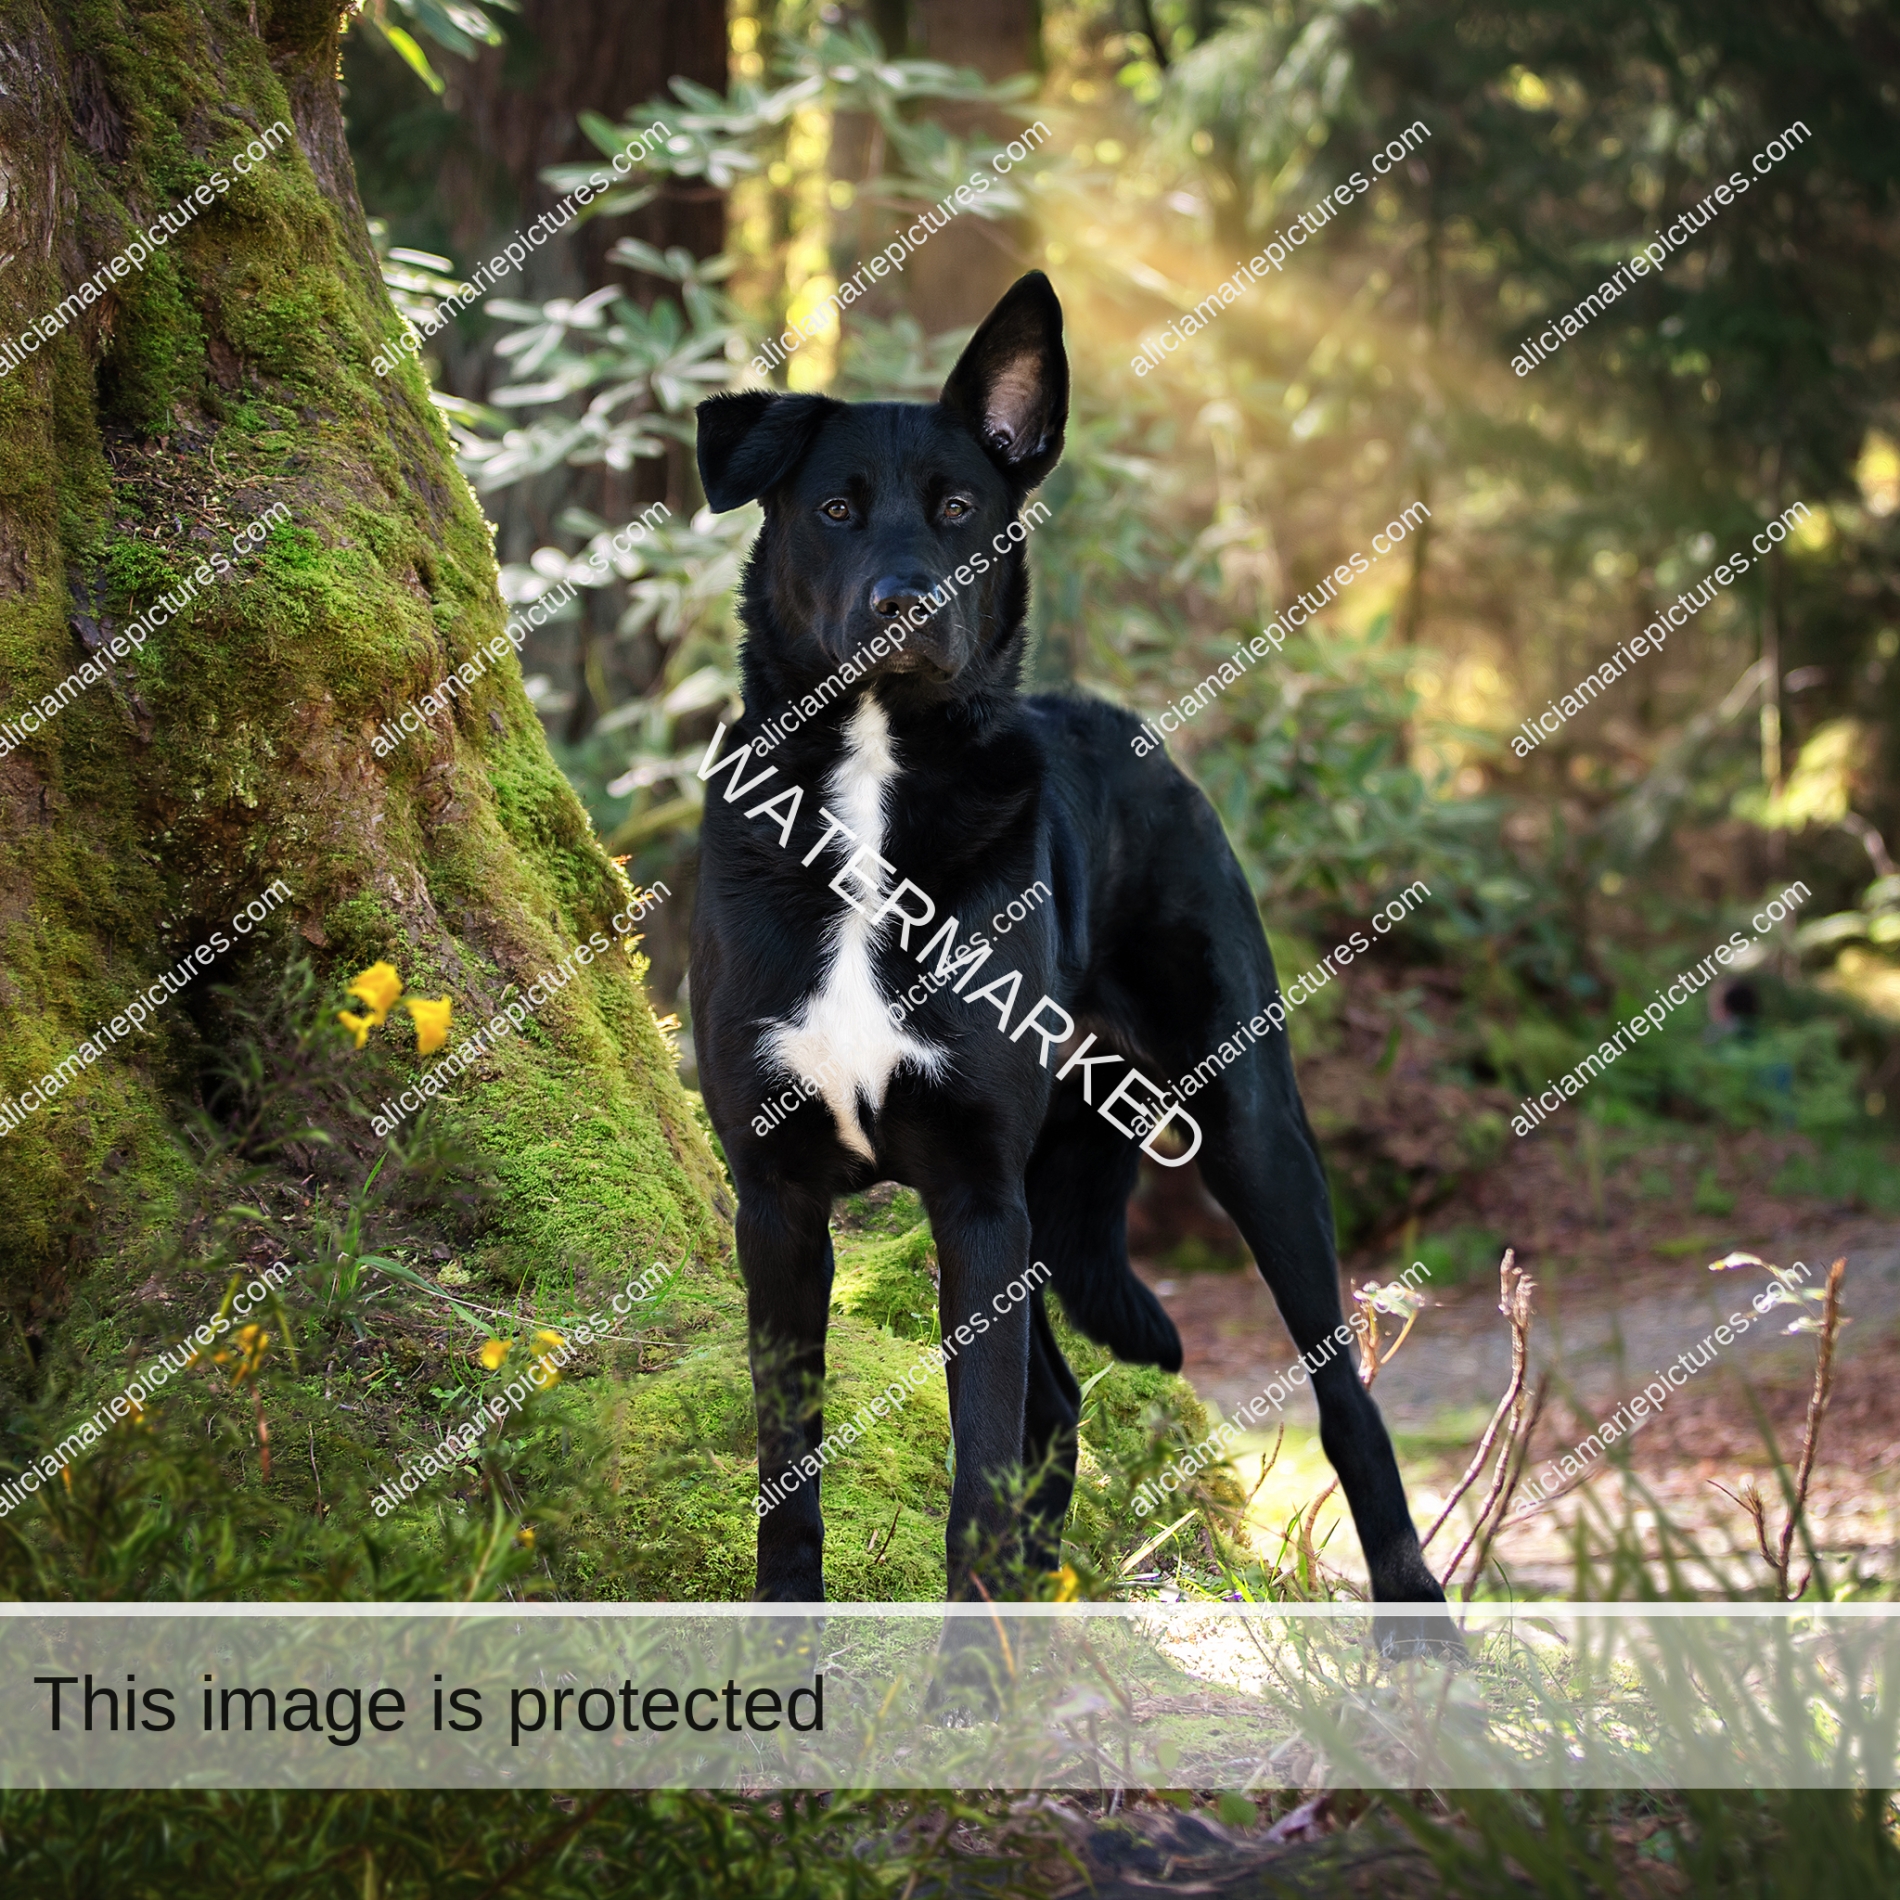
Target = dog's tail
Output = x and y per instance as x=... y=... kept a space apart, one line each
x=1105 y=1302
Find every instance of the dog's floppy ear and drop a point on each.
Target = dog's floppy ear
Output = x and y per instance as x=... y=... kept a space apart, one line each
x=750 y=441
x=1011 y=384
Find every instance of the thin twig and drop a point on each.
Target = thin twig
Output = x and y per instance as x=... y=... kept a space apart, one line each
x=1517 y=1452
x=936 y=1848
x=888 y=1535
x=1811 y=1431
x=1307 y=1522
x=1266 y=1465
x=547 y=1845
x=1506 y=1268
x=1514 y=1302
x=1751 y=1502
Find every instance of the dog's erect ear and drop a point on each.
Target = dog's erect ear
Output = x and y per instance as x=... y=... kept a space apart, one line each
x=749 y=442
x=1011 y=384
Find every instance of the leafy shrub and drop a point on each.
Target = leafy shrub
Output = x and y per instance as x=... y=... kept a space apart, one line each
x=1787 y=1075
x=1863 y=1172
x=1460 y=1254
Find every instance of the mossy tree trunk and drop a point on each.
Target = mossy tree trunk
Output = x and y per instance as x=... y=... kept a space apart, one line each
x=230 y=374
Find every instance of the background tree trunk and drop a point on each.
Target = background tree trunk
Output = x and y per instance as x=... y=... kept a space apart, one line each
x=960 y=273
x=468 y=174
x=522 y=103
x=231 y=374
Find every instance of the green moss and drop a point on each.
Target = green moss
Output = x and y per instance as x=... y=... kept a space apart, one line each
x=888 y=1209
x=235 y=746
x=157 y=358
x=391 y=540
x=689 y=1477
x=362 y=931
x=889 y=1283
x=586 y=1165
x=135 y=570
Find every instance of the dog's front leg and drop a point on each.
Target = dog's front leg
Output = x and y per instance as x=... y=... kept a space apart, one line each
x=983 y=1307
x=785 y=1255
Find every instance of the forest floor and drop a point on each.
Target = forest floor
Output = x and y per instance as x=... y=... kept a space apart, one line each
x=1620 y=1259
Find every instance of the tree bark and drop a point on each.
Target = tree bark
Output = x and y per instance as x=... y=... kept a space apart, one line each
x=518 y=107
x=230 y=374
x=523 y=103
x=961 y=272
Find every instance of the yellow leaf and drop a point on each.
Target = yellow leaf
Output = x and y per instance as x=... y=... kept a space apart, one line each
x=432 y=1022
x=493 y=1353
x=377 y=989
x=358 y=1026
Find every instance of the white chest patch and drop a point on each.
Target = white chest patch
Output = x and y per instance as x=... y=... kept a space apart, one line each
x=843 y=1038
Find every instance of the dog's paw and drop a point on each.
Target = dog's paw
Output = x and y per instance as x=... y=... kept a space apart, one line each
x=1419 y=1633
x=970 y=1675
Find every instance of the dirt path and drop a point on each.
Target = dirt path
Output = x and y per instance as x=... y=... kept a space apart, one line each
x=1609 y=1313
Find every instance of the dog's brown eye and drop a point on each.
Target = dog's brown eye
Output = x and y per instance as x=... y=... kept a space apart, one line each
x=956 y=509
x=836 y=511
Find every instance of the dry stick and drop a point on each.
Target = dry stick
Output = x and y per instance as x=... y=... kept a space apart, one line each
x=1811 y=1434
x=888 y=1535
x=1750 y=1500
x=1518 y=1451
x=322 y=1509
x=1506 y=1268
x=1514 y=1302
x=548 y=1844
x=1306 y=1535
x=1266 y=1465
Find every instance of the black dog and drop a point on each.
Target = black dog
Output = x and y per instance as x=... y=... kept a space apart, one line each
x=926 y=793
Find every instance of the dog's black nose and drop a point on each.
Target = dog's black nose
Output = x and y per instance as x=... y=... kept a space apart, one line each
x=894 y=599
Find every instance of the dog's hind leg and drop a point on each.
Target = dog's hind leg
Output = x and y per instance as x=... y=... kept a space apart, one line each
x=1050 y=1416
x=1260 y=1161
x=1077 y=1185
x=785 y=1254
